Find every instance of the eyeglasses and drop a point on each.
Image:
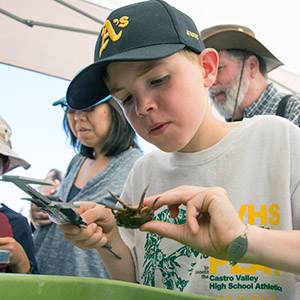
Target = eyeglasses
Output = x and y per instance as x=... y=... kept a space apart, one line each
x=69 y=110
x=64 y=106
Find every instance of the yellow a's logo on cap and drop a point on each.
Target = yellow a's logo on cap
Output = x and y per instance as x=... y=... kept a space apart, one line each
x=109 y=32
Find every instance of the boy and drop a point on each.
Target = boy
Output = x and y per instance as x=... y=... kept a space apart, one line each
x=151 y=59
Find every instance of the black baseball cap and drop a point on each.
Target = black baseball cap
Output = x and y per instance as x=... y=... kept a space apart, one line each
x=148 y=30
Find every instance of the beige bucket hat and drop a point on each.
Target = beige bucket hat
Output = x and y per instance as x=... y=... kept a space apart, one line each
x=232 y=36
x=6 y=149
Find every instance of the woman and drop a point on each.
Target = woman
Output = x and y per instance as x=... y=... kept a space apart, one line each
x=107 y=151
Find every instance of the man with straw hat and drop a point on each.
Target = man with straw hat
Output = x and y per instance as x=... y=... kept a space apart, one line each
x=15 y=233
x=241 y=88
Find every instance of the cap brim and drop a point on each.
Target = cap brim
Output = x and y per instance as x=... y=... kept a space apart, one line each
x=233 y=39
x=88 y=87
x=60 y=101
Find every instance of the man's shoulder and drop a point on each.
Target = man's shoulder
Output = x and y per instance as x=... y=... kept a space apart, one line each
x=15 y=219
x=291 y=107
x=10 y=213
x=294 y=98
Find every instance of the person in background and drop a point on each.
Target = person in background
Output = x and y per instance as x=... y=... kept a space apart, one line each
x=37 y=216
x=161 y=81
x=107 y=150
x=15 y=233
x=241 y=89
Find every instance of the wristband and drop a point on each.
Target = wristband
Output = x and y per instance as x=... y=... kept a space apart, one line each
x=238 y=247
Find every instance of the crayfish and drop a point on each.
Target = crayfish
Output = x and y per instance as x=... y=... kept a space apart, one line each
x=132 y=217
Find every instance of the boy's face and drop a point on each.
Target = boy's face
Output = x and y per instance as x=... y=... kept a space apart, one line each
x=164 y=100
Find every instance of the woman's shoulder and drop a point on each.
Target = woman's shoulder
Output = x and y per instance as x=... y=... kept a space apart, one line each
x=124 y=161
x=76 y=159
x=131 y=154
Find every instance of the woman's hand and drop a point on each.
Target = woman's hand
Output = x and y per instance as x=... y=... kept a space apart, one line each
x=211 y=220
x=101 y=226
x=102 y=229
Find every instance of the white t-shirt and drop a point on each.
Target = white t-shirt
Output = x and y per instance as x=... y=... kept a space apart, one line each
x=258 y=163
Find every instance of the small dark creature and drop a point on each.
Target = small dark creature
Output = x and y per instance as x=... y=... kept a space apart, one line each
x=132 y=217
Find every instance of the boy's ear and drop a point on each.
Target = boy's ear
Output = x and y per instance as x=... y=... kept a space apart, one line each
x=209 y=60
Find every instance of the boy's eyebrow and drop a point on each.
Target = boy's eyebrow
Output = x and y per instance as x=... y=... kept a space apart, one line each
x=115 y=90
x=148 y=67
x=144 y=69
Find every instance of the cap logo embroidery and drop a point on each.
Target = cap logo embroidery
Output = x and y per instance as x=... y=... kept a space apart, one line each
x=109 y=32
x=192 y=34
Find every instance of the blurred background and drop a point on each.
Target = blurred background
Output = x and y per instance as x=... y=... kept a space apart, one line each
x=44 y=43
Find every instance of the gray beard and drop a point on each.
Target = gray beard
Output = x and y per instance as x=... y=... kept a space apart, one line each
x=226 y=106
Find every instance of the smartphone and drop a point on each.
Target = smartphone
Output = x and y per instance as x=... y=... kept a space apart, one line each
x=59 y=211
x=4 y=257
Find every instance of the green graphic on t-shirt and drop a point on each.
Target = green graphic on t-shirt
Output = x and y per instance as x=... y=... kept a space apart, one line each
x=156 y=262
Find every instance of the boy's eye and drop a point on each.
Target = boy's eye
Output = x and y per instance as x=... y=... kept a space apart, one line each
x=159 y=81
x=127 y=100
x=123 y=101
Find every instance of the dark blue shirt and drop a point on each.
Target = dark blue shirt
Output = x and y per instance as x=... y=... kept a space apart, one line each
x=11 y=221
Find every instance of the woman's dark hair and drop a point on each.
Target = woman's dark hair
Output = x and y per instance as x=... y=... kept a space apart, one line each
x=120 y=137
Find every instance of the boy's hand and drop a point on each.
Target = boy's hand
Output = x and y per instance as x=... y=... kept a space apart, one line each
x=211 y=220
x=98 y=232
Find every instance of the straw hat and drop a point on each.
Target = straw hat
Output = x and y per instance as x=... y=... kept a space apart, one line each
x=6 y=149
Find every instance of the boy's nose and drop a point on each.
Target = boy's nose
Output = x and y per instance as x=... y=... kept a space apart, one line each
x=144 y=105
